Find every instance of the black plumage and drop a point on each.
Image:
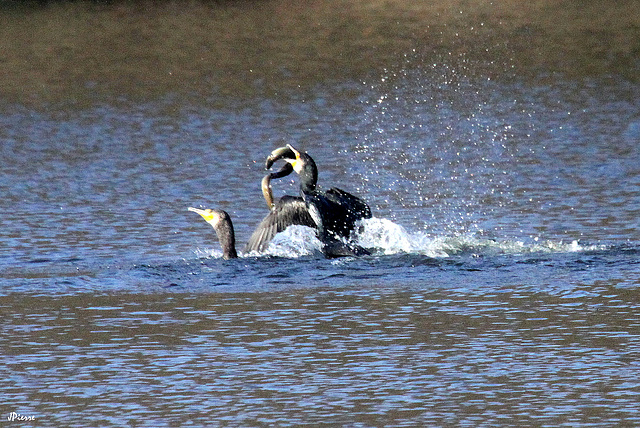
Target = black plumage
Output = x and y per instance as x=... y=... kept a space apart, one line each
x=288 y=211
x=335 y=212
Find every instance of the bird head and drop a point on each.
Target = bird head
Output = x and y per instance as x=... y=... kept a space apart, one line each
x=213 y=217
x=301 y=162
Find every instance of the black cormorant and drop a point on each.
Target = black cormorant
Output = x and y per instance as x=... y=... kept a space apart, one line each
x=222 y=224
x=335 y=212
x=287 y=211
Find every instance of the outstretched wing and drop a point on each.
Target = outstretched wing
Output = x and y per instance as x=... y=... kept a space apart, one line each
x=288 y=211
x=342 y=212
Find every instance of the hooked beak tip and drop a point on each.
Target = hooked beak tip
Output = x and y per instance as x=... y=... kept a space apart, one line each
x=293 y=149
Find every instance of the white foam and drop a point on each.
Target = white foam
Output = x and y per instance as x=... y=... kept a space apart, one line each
x=294 y=241
x=386 y=237
x=205 y=253
x=391 y=238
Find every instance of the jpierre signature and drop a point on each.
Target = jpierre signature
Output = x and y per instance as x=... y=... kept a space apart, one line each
x=13 y=416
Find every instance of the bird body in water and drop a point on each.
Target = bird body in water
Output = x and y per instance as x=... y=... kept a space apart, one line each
x=287 y=211
x=334 y=213
x=221 y=222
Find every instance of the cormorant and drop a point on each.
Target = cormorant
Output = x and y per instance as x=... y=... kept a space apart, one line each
x=222 y=224
x=289 y=210
x=335 y=212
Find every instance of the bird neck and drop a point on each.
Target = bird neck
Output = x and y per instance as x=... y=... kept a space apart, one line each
x=308 y=178
x=307 y=187
x=227 y=238
x=266 y=183
x=266 y=191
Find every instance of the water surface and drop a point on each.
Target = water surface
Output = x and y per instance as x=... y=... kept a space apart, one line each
x=503 y=289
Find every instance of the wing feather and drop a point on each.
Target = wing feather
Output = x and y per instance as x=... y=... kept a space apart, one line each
x=288 y=211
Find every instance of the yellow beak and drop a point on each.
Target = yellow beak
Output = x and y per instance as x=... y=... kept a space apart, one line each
x=208 y=214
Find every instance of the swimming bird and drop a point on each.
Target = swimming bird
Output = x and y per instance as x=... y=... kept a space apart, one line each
x=222 y=224
x=287 y=211
x=335 y=211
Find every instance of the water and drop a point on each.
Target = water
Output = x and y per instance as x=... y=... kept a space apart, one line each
x=503 y=289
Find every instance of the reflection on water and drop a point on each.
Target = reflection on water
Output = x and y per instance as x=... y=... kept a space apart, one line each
x=375 y=356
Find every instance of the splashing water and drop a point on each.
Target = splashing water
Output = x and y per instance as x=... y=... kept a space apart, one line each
x=391 y=238
x=440 y=151
x=295 y=241
x=385 y=237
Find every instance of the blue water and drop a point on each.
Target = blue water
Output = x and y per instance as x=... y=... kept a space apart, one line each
x=504 y=287
x=481 y=169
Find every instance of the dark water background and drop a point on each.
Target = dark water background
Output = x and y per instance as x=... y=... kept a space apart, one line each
x=497 y=145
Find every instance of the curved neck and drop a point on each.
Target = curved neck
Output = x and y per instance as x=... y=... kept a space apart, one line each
x=266 y=183
x=308 y=176
x=266 y=191
x=307 y=186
